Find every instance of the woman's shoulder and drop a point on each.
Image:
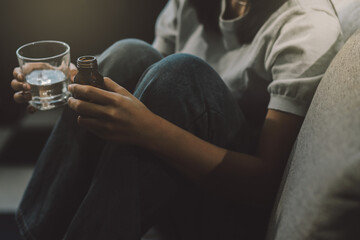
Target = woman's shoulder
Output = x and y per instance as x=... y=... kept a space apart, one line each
x=317 y=18
x=293 y=9
x=300 y=50
x=304 y=17
x=313 y=5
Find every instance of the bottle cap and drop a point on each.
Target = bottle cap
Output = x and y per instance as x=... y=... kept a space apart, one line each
x=86 y=62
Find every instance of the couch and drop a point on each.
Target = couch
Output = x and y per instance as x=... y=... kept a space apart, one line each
x=319 y=197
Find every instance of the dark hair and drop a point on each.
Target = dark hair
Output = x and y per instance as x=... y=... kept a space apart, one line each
x=208 y=12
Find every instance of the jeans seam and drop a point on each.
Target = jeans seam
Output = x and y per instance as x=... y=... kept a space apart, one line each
x=206 y=111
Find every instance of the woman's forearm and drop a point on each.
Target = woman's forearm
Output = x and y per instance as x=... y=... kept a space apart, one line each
x=191 y=155
x=232 y=175
x=253 y=179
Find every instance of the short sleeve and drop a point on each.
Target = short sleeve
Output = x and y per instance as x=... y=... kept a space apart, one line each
x=166 y=28
x=298 y=59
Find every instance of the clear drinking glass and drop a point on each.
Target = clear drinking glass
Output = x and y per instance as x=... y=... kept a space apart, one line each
x=45 y=65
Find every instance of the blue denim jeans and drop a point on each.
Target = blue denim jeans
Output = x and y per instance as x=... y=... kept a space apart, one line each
x=86 y=188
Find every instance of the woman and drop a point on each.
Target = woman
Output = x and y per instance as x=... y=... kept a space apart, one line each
x=195 y=142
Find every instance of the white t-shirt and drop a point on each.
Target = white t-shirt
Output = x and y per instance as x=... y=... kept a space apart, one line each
x=348 y=12
x=280 y=69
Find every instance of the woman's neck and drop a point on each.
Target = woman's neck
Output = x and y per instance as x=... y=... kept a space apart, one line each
x=236 y=8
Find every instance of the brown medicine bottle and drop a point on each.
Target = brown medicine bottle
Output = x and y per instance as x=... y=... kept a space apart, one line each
x=88 y=73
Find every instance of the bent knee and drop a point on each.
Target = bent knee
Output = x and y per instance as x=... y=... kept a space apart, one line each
x=129 y=43
x=175 y=74
x=180 y=69
x=131 y=47
x=183 y=61
x=127 y=56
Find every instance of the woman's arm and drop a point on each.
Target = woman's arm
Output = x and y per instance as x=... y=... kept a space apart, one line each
x=119 y=116
x=235 y=175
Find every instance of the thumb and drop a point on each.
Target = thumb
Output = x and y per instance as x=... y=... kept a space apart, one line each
x=73 y=71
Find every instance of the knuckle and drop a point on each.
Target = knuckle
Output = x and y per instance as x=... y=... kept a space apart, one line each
x=15 y=72
x=126 y=103
x=74 y=89
x=16 y=85
x=13 y=84
x=16 y=98
x=117 y=101
x=77 y=105
x=74 y=104
x=121 y=89
x=87 y=91
x=111 y=113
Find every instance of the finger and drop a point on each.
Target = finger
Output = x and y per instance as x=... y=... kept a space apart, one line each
x=17 y=73
x=91 y=123
x=87 y=108
x=114 y=87
x=31 y=109
x=29 y=67
x=73 y=71
x=19 y=86
x=22 y=97
x=91 y=93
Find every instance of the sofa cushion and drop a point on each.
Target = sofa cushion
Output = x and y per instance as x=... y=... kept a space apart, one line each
x=320 y=193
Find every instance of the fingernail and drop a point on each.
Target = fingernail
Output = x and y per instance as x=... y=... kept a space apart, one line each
x=70 y=87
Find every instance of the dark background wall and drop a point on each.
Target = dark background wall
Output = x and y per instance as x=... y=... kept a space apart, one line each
x=88 y=26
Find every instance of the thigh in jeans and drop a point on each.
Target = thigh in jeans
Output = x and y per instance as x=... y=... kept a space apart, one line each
x=189 y=93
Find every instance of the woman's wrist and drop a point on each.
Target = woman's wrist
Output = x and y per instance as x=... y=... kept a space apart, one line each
x=181 y=149
x=153 y=133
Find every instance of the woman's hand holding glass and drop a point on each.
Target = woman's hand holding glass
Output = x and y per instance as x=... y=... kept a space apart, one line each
x=22 y=88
